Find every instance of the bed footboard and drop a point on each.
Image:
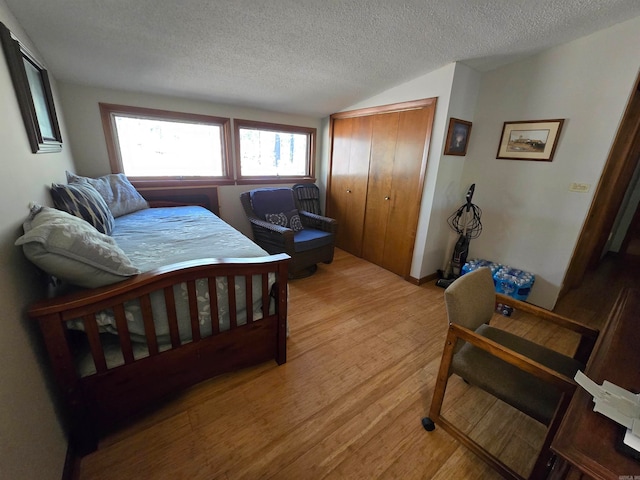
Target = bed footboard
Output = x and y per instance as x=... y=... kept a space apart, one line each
x=111 y=392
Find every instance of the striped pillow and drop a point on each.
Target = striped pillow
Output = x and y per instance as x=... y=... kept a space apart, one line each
x=84 y=201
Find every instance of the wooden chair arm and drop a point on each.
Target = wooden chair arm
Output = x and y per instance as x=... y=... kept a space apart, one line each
x=588 y=335
x=549 y=316
x=516 y=359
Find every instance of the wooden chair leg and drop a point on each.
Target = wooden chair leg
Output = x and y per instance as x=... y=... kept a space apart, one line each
x=441 y=382
x=544 y=463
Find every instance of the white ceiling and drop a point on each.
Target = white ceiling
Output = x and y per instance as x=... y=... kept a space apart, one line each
x=310 y=57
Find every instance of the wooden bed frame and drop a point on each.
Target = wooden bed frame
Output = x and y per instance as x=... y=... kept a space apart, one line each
x=97 y=404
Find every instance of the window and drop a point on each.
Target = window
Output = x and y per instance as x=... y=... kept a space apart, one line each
x=145 y=143
x=267 y=152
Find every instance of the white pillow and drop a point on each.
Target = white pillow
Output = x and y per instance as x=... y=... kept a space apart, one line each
x=71 y=249
x=117 y=191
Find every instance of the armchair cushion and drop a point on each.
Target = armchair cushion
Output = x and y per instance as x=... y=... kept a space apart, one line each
x=310 y=238
x=272 y=200
x=516 y=387
x=470 y=300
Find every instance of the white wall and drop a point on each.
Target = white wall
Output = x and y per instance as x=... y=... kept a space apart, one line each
x=322 y=171
x=531 y=219
x=32 y=442
x=82 y=112
x=455 y=86
x=450 y=191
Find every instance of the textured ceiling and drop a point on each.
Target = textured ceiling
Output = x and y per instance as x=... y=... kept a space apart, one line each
x=298 y=56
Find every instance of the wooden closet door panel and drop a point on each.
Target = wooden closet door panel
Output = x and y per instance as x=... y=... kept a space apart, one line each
x=383 y=147
x=406 y=192
x=382 y=179
x=351 y=178
x=337 y=202
x=359 y=177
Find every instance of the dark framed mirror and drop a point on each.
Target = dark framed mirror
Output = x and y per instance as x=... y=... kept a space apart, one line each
x=33 y=91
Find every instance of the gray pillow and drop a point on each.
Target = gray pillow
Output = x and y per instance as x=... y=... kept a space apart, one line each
x=117 y=191
x=84 y=201
x=71 y=249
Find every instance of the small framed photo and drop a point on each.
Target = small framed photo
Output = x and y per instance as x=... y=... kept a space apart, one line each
x=457 y=137
x=530 y=140
x=33 y=91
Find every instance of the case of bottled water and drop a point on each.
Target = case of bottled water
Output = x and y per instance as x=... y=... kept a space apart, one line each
x=513 y=282
x=509 y=281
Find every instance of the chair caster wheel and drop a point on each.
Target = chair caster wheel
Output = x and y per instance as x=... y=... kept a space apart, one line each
x=428 y=424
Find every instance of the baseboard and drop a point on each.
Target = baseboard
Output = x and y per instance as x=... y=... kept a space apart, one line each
x=71 y=469
x=422 y=280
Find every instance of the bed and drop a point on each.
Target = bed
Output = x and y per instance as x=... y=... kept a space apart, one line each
x=118 y=349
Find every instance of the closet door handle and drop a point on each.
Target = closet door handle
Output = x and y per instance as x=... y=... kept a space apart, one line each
x=348 y=190
x=387 y=198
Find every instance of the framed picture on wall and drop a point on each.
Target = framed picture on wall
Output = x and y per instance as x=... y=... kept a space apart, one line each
x=33 y=91
x=457 y=137
x=530 y=140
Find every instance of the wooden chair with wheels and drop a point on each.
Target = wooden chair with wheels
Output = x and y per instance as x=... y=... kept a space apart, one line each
x=534 y=379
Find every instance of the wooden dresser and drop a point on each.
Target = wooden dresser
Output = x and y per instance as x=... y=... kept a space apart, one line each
x=586 y=441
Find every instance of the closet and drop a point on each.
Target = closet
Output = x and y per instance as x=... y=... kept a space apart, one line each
x=378 y=162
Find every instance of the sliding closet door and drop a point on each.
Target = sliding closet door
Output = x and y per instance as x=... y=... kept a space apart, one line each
x=378 y=163
x=394 y=193
x=379 y=199
x=349 y=176
x=406 y=189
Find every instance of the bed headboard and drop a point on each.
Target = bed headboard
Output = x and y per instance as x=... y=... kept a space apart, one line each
x=205 y=196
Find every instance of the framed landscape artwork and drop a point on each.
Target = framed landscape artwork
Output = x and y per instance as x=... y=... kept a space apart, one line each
x=33 y=91
x=530 y=140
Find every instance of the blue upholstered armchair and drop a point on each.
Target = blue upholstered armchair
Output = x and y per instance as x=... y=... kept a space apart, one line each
x=280 y=225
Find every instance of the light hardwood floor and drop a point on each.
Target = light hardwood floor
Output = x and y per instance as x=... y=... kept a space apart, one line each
x=363 y=353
